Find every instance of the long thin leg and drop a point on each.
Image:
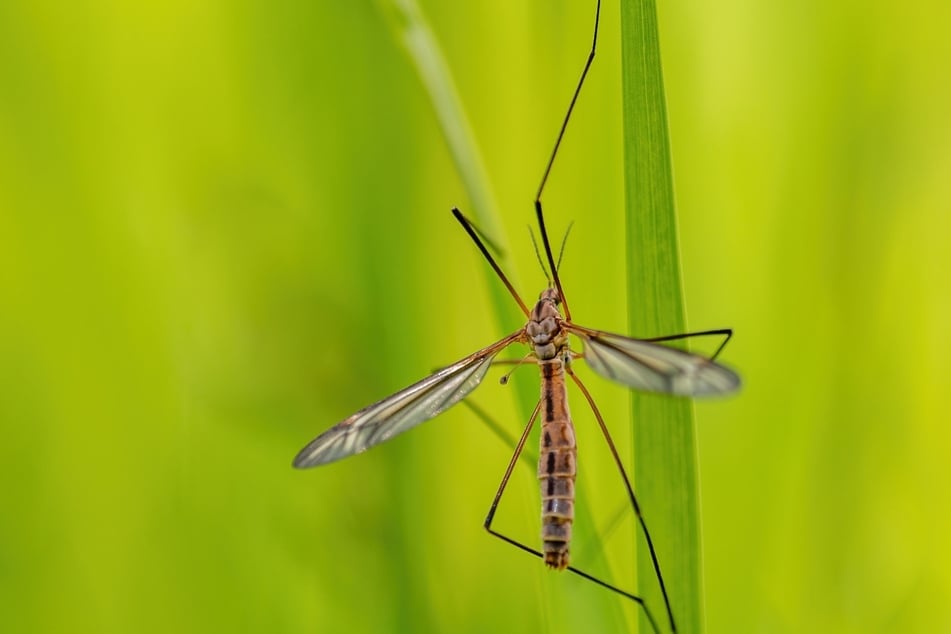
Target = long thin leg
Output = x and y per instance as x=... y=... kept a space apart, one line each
x=630 y=493
x=581 y=573
x=727 y=333
x=505 y=480
x=551 y=162
x=571 y=106
x=470 y=229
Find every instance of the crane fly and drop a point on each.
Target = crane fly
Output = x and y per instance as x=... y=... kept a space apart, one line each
x=642 y=364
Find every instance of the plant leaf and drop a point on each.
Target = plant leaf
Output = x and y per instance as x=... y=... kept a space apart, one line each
x=665 y=449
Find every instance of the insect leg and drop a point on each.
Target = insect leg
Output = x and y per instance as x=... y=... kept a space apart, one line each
x=630 y=493
x=726 y=333
x=571 y=107
x=505 y=480
x=581 y=573
x=470 y=229
x=551 y=162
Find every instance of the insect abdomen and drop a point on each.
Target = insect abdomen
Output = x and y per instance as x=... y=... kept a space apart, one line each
x=556 y=465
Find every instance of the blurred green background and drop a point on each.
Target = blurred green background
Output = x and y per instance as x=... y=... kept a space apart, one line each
x=224 y=226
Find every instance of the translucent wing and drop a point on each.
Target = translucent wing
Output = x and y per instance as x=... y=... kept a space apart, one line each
x=651 y=367
x=401 y=411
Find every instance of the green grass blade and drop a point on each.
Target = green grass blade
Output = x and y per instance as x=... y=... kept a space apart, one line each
x=428 y=61
x=665 y=450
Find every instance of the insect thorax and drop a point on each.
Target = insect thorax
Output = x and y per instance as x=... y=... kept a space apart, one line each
x=544 y=330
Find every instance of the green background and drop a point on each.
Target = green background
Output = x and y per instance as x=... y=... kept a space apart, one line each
x=225 y=227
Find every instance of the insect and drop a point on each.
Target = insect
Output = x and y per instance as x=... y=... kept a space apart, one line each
x=642 y=364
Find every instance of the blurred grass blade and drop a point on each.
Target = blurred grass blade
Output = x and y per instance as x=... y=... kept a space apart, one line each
x=427 y=59
x=665 y=451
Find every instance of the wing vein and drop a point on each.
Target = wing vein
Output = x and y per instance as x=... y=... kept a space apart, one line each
x=403 y=410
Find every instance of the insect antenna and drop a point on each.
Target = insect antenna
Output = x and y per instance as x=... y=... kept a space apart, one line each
x=564 y=241
x=561 y=251
x=538 y=255
x=474 y=234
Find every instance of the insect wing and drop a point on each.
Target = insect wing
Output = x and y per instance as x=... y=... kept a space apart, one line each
x=652 y=367
x=401 y=411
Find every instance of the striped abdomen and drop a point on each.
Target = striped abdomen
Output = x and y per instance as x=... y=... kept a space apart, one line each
x=556 y=465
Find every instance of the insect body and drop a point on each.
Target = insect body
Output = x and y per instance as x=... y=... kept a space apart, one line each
x=556 y=460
